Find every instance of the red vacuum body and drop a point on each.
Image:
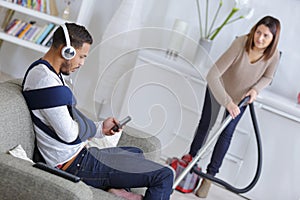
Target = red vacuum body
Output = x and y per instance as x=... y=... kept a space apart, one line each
x=191 y=180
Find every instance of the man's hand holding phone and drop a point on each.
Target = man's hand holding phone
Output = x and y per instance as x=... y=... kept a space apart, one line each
x=112 y=125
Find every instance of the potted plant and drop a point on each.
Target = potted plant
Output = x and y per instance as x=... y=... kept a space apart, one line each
x=208 y=32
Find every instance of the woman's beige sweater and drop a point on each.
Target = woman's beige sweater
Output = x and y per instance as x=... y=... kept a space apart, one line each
x=233 y=75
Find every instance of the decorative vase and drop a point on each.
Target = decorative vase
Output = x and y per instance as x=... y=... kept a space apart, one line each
x=206 y=44
x=66 y=12
x=177 y=38
x=201 y=56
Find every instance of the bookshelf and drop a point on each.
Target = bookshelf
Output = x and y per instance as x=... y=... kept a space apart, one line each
x=28 y=14
x=24 y=43
x=31 y=12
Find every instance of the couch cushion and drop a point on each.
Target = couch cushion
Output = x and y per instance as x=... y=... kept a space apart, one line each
x=19 y=180
x=150 y=144
x=15 y=123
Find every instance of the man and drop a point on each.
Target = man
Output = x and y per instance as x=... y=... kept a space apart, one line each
x=62 y=131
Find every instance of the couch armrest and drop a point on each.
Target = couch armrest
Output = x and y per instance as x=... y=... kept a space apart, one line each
x=150 y=145
x=20 y=180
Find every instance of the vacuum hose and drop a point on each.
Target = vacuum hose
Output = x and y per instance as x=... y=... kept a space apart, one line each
x=258 y=168
x=192 y=165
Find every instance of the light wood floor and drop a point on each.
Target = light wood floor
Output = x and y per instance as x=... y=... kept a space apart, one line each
x=215 y=193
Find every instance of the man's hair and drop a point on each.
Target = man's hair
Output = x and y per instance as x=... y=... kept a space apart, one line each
x=78 y=36
x=274 y=25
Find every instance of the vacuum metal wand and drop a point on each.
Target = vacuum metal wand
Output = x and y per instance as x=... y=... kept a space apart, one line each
x=201 y=152
x=205 y=147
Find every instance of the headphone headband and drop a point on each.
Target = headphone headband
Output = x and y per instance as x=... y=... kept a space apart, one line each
x=66 y=33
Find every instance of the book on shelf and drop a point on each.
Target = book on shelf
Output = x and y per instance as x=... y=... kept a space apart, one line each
x=39 y=5
x=5 y=16
x=26 y=29
x=33 y=33
x=24 y=3
x=49 y=43
x=29 y=32
x=13 y=27
x=41 y=2
x=17 y=33
x=42 y=6
x=19 y=26
x=48 y=11
x=45 y=33
x=21 y=32
x=29 y=3
x=36 y=37
x=49 y=36
x=52 y=7
x=10 y=25
x=34 y=5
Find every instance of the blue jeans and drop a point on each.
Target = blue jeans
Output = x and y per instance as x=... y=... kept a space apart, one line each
x=223 y=142
x=123 y=167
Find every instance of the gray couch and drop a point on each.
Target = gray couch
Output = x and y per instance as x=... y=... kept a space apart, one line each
x=19 y=179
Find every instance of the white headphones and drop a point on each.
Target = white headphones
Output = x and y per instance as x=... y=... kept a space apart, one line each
x=68 y=52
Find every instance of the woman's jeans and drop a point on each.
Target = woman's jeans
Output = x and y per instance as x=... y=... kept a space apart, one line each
x=208 y=118
x=123 y=167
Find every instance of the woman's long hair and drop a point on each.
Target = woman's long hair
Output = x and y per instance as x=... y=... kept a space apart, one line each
x=274 y=25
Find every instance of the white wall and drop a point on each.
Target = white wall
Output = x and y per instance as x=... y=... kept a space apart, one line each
x=286 y=11
x=162 y=14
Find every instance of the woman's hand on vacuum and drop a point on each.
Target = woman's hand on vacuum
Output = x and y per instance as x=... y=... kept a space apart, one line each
x=233 y=109
x=253 y=94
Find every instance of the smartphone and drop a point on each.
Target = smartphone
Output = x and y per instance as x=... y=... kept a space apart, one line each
x=121 y=124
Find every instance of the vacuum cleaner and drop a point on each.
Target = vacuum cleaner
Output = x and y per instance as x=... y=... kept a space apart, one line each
x=188 y=174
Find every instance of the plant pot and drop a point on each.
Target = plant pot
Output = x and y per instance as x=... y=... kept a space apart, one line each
x=205 y=44
x=202 y=60
x=202 y=51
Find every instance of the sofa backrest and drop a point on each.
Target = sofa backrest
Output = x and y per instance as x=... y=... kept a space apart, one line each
x=15 y=122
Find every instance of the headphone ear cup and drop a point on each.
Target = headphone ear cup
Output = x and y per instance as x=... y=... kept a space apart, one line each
x=68 y=52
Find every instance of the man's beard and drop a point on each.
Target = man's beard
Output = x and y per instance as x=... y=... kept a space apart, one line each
x=65 y=73
x=65 y=65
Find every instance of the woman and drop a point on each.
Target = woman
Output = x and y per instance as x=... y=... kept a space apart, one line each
x=244 y=69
